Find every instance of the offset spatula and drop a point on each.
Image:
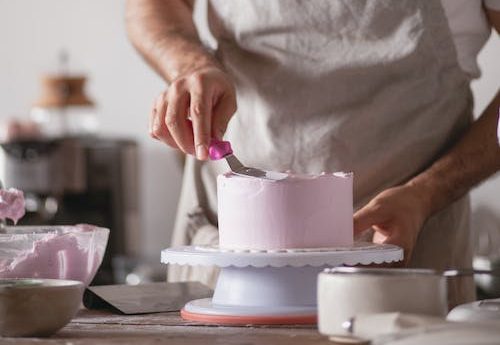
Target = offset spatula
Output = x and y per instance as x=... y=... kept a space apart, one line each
x=498 y=127
x=222 y=149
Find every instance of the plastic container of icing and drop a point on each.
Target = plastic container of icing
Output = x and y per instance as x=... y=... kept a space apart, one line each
x=53 y=252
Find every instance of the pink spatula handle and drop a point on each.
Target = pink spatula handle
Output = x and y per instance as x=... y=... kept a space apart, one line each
x=219 y=149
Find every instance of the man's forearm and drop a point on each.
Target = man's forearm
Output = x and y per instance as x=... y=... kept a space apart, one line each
x=474 y=158
x=164 y=33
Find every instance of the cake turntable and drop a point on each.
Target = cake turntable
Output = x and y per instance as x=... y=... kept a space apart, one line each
x=266 y=287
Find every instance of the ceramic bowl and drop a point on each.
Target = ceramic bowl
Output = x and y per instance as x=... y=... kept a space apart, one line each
x=53 y=252
x=37 y=307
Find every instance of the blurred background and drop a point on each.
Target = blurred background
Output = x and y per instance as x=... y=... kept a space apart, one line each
x=121 y=178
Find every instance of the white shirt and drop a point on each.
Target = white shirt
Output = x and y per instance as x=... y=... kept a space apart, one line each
x=470 y=30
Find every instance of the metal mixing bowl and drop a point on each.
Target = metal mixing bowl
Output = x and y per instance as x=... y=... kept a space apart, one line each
x=54 y=252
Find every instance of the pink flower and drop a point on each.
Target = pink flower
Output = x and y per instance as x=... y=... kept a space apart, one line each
x=11 y=204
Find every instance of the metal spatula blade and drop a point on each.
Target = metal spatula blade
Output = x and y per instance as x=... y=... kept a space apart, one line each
x=222 y=149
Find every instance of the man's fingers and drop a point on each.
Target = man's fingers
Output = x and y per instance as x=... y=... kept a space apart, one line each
x=379 y=237
x=196 y=108
x=201 y=117
x=398 y=241
x=366 y=217
x=157 y=128
x=152 y=118
x=223 y=111
x=176 y=118
x=157 y=115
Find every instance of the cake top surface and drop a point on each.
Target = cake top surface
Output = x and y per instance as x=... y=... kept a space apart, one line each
x=292 y=177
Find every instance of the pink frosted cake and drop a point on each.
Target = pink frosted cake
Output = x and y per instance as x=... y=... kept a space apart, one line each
x=302 y=211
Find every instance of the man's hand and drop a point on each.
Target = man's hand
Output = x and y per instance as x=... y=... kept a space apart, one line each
x=194 y=109
x=201 y=98
x=396 y=215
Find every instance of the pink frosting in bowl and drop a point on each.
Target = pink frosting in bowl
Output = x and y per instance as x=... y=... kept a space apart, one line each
x=56 y=252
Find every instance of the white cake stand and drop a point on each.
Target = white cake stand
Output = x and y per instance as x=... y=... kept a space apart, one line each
x=269 y=287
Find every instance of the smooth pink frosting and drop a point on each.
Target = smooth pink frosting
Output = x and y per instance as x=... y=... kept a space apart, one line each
x=219 y=149
x=302 y=211
x=11 y=204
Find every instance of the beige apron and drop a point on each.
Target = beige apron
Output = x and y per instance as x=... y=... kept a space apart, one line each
x=372 y=87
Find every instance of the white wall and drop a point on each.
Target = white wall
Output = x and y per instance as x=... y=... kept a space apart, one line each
x=31 y=34
x=33 y=31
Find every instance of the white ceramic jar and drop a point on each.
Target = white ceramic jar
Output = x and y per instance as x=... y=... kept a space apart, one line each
x=345 y=292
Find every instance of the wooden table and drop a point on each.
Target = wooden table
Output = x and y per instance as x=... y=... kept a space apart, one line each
x=99 y=327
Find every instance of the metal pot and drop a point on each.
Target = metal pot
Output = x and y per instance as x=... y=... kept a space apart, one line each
x=345 y=292
x=44 y=166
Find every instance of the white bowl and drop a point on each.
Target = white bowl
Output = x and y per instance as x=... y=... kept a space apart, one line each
x=37 y=307
x=52 y=252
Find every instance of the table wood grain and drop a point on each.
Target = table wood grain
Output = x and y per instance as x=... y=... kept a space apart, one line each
x=100 y=327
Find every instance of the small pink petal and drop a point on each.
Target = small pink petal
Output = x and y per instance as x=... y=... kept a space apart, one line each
x=11 y=204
